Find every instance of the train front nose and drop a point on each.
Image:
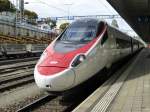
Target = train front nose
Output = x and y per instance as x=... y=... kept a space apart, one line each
x=59 y=81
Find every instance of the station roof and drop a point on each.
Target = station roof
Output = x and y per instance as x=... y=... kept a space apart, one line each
x=136 y=13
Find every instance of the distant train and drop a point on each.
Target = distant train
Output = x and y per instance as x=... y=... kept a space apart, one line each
x=83 y=49
x=21 y=50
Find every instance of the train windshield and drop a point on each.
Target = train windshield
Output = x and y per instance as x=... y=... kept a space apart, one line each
x=79 y=34
x=76 y=35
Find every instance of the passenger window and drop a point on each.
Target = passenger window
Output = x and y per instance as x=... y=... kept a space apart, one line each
x=122 y=43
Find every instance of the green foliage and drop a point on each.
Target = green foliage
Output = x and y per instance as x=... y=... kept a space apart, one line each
x=30 y=14
x=114 y=23
x=51 y=23
x=64 y=26
x=31 y=17
x=6 y=5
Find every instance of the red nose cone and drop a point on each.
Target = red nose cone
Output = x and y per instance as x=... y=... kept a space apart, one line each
x=55 y=60
x=48 y=71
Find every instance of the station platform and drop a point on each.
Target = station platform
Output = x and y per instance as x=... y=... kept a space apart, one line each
x=127 y=92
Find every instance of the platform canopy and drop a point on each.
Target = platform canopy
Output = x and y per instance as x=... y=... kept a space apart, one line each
x=137 y=15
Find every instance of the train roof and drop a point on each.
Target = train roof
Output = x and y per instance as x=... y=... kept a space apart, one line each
x=86 y=21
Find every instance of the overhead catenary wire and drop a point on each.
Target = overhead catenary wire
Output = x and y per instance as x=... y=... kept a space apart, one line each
x=49 y=5
x=42 y=2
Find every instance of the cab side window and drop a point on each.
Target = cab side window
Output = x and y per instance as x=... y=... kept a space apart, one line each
x=100 y=28
x=104 y=38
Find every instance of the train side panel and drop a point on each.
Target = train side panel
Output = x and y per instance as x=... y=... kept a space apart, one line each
x=122 y=42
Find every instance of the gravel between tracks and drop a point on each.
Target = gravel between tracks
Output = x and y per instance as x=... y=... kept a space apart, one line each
x=52 y=106
x=12 y=100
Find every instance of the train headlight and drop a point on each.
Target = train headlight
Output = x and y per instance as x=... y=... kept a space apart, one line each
x=79 y=59
x=43 y=56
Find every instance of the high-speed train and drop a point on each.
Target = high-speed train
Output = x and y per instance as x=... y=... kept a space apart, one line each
x=83 y=49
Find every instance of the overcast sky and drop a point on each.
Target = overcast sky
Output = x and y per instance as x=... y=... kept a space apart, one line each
x=46 y=8
x=56 y=8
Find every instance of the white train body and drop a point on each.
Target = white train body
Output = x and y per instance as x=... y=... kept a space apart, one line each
x=65 y=65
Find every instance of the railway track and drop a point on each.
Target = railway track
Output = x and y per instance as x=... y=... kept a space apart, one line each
x=49 y=102
x=16 y=74
x=11 y=70
x=16 y=83
x=36 y=103
x=11 y=61
x=17 y=66
x=9 y=81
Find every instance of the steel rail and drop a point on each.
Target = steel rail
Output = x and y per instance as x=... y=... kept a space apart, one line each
x=37 y=103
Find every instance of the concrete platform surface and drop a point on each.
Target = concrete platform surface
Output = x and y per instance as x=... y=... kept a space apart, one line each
x=134 y=95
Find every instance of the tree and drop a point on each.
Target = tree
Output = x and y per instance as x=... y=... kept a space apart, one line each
x=114 y=23
x=64 y=26
x=6 y=5
x=51 y=23
x=30 y=14
x=31 y=17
